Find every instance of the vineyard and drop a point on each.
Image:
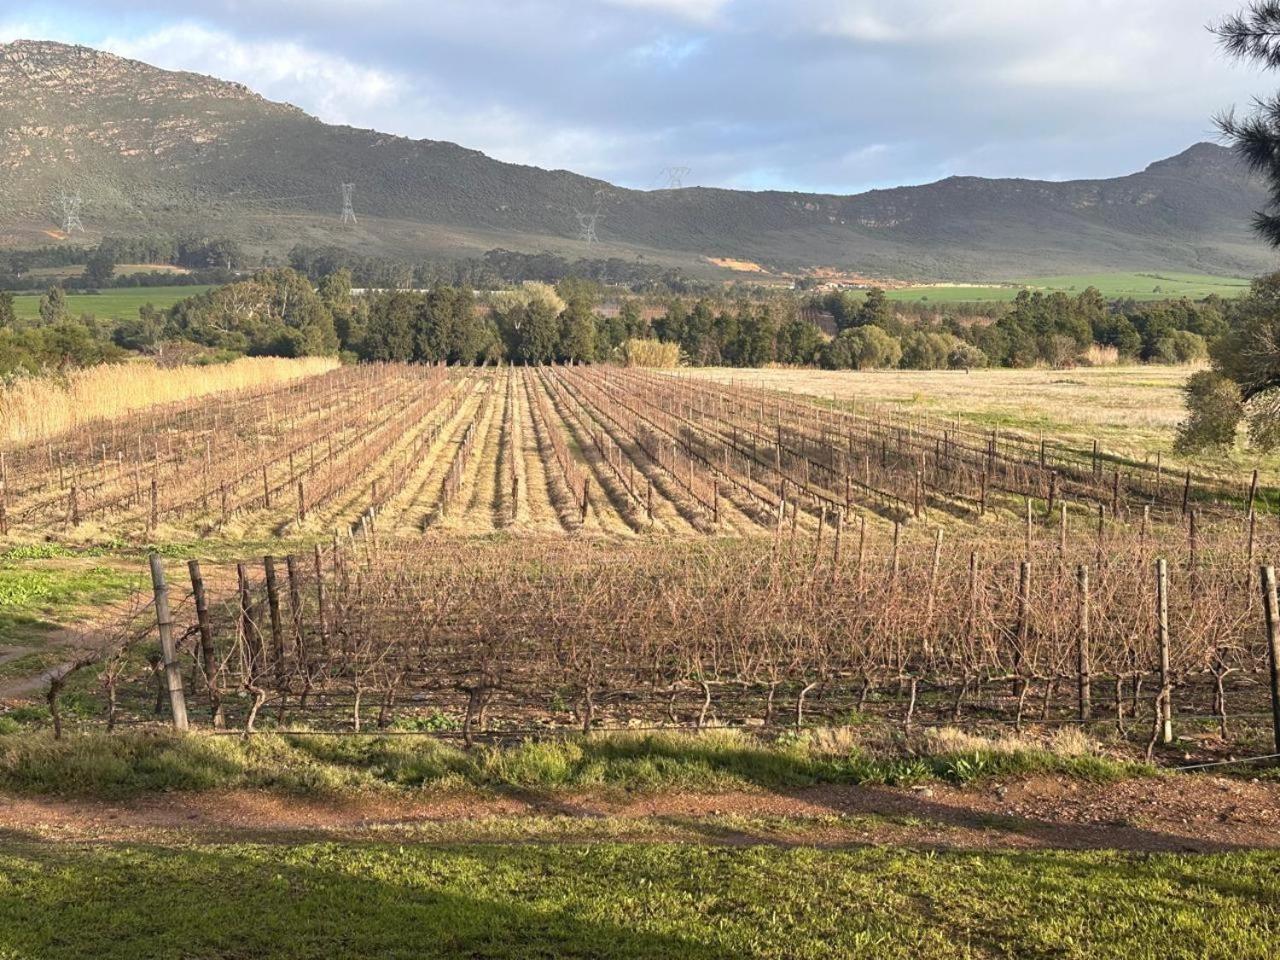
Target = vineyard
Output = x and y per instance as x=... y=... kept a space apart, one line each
x=415 y=450
x=686 y=554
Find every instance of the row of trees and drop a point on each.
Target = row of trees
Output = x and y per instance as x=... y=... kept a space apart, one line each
x=495 y=269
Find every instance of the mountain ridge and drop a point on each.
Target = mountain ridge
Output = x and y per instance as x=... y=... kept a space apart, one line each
x=164 y=151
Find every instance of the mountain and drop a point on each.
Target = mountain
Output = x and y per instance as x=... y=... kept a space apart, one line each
x=154 y=151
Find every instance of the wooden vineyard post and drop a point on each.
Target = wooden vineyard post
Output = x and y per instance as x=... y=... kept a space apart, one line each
x=586 y=486
x=321 y=603
x=1253 y=493
x=248 y=630
x=933 y=580
x=1272 y=608
x=982 y=497
x=1162 y=630
x=153 y=513
x=862 y=548
x=295 y=612
x=897 y=542
x=1083 y=653
x=207 y=654
x=302 y=503
x=1186 y=492
x=168 y=649
x=266 y=488
x=273 y=608
x=1024 y=626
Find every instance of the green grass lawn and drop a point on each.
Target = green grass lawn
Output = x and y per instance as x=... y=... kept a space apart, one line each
x=1139 y=286
x=356 y=900
x=110 y=304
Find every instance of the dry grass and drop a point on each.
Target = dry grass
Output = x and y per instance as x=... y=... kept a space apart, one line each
x=40 y=407
x=1130 y=410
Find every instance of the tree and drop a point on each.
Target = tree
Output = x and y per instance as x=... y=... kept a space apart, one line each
x=1215 y=411
x=53 y=306
x=862 y=348
x=100 y=268
x=1254 y=35
x=389 y=334
x=876 y=311
x=528 y=319
x=634 y=322
x=577 y=331
x=799 y=341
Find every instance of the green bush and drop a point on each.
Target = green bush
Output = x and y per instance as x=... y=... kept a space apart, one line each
x=1214 y=413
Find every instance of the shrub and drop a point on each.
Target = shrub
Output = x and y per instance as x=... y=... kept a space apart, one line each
x=1214 y=413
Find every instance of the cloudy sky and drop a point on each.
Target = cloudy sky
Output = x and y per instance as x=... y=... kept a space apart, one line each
x=831 y=95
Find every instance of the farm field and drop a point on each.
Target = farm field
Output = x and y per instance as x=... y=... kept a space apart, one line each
x=1132 y=411
x=632 y=663
x=1113 y=286
x=114 y=304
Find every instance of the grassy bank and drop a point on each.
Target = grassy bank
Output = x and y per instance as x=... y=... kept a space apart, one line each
x=35 y=408
x=131 y=764
x=616 y=900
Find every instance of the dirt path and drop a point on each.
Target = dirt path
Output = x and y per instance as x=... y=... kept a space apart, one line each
x=1181 y=814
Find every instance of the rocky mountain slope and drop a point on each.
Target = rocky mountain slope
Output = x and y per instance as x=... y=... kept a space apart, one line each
x=149 y=150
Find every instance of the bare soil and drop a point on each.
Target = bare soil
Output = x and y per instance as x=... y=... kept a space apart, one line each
x=1179 y=814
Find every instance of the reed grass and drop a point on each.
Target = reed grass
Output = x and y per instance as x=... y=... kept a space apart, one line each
x=651 y=353
x=36 y=408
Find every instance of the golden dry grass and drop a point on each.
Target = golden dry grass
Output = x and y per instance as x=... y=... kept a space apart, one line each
x=39 y=407
x=1130 y=410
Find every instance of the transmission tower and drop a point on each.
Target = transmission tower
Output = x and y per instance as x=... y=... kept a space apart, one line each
x=587 y=225
x=348 y=211
x=674 y=177
x=70 y=204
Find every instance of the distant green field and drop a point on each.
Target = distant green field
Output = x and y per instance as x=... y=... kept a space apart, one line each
x=111 y=304
x=1139 y=286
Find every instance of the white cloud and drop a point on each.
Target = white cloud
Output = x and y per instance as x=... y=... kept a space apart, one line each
x=336 y=89
x=697 y=10
x=811 y=94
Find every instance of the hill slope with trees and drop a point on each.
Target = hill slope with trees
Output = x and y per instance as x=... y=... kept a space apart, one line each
x=153 y=152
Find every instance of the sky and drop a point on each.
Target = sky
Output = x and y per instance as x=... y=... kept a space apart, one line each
x=834 y=96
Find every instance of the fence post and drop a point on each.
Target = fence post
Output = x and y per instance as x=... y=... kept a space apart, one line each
x=206 y=641
x=1272 y=608
x=273 y=608
x=164 y=621
x=1083 y=665
x=1162 y=626
x=322 y=613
